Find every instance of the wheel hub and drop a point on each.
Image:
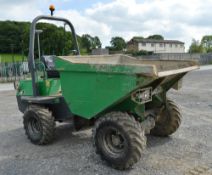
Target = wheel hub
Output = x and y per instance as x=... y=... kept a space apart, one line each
x=116 y=140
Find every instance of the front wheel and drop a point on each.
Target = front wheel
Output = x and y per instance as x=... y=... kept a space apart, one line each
x=39 y=125
x=169 y=120
x=119 y=139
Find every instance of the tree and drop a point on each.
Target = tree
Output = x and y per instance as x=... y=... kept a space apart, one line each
x=89 y=42
x=14 y=37
x=156 y=37
x=207 y=43
x=118 y=43
x=196 y=47
x=138 y=38
x=97 y=42
x=11 y=36
x=86 y=42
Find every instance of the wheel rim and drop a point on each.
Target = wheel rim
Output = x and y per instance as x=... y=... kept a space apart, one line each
x=113 y=141
x=34 y=127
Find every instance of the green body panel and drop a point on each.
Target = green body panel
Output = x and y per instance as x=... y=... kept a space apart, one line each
x=88 y=94
x=127 y=105
x=89 y=90
x=47 y=87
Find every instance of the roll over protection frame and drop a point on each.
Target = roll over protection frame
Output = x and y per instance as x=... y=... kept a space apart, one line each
x=31 y=61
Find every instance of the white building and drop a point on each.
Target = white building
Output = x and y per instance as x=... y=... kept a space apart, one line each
x=156 y=46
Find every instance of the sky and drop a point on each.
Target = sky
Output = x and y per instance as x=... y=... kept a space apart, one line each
x=174 y=19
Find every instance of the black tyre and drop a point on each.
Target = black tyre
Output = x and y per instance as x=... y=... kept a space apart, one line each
x=169 y=120
x=119 y=139
x=39 y=125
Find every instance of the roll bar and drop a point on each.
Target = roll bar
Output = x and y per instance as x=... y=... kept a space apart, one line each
x=31 y=60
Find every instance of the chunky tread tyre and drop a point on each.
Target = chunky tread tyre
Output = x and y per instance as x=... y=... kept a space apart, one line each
x=135 y=140
x=169 y=120
x=45 y=134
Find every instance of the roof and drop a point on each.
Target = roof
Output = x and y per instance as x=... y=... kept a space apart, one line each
x=141 y=40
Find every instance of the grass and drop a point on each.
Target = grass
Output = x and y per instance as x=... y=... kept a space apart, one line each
x=8 y=58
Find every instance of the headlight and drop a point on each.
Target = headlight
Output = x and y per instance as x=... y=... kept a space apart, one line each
x=142 y=96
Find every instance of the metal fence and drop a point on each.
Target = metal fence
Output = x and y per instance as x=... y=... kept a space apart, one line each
x=13 y=71
x=202 y=58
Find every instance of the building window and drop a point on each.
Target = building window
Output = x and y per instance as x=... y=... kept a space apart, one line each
x=143 y=44
x=170 y=45
x=161 y=45
x=152 y=45
x=176 y=45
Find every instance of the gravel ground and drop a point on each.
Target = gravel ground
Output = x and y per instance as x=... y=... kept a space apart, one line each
x=188 y=151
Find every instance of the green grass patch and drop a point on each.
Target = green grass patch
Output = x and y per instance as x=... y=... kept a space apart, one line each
x=8 y=58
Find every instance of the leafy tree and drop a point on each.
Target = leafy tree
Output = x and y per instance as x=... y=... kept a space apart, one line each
x=86 y=42
x=156 y=37
x=138 y=37
x=52 y=39
x=207 y=43
x=118 y=44
x=89 y=42
x=209 y=50
x=14 y=36
x=11 y=36
x=196 y=47
x=97 y=42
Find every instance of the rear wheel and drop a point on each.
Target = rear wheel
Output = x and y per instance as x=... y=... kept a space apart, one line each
x=39 y=125
x=119 y=139
x=169 y=120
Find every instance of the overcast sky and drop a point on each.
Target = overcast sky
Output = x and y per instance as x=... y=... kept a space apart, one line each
x=174 y=19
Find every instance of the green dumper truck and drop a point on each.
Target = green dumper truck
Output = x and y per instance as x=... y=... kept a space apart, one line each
x=121 y=97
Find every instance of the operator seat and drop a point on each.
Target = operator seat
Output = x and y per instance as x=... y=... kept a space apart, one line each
x=49 y=62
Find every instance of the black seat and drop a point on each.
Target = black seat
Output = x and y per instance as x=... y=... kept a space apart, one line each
x=49 y=62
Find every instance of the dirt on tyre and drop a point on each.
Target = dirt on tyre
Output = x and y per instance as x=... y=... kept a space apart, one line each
x=169 y=120
x=39 y=125
x=119 y=139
